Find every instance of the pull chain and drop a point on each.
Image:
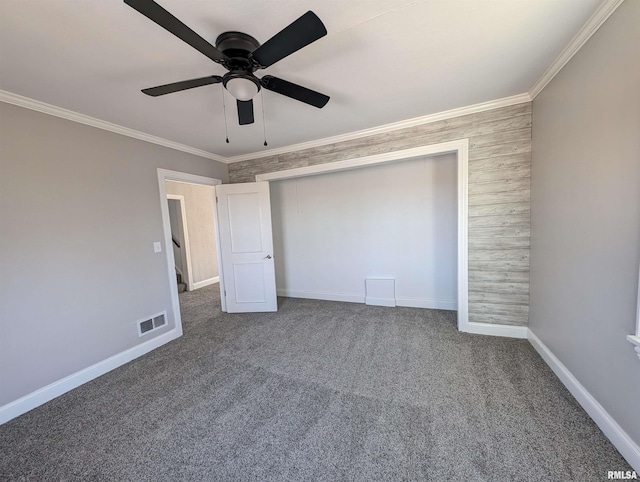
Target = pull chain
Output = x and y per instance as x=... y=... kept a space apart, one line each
x=264 y=127
x=224 y=109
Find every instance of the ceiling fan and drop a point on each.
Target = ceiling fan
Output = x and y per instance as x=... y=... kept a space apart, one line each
x=241 y=55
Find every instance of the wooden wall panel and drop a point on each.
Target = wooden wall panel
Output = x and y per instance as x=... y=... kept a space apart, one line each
x=499 y=197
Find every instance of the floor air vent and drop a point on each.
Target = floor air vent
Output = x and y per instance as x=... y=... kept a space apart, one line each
x=153 y=323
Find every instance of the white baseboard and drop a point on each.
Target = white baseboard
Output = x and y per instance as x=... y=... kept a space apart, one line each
x=355 y=298
x=373 y=301
x=614 y=432
x=509 y=331
x=35 y=399
x=319 y=295
x=429 y=304
x=206 y=282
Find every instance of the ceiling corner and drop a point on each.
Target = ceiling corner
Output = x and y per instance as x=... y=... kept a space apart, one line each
x=588 y=29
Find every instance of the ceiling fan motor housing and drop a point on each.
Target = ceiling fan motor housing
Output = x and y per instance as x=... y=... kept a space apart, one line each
x=237 y=46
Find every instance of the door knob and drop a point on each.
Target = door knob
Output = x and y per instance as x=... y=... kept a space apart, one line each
x=267 y=257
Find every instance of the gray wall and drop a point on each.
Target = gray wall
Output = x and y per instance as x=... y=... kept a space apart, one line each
x=499 y=174
x=79 y=212
x=586 y=215
x=199 y=201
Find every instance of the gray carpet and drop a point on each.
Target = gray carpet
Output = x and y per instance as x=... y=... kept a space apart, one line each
x=318 y=391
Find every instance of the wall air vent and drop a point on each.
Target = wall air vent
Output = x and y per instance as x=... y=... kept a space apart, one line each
x=146 y=325
x=159 y=320
x=153 y=323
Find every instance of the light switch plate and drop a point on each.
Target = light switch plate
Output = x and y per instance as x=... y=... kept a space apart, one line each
x=157 y=247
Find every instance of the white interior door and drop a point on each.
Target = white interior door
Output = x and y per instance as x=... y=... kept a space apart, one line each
x=246 y=247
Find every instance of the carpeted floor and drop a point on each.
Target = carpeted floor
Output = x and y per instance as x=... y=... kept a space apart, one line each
x=318 y=391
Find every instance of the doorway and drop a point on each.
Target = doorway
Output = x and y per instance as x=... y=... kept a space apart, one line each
x=392 y=240
x=190 y=200
x=197 y=251
x=180 y=241
x=461 y=150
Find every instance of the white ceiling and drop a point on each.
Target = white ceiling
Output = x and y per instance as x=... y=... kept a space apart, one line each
x=382 y=61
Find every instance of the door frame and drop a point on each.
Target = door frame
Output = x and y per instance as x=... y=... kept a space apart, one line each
x=168 y=175
x=461 y=149
x=186 y=247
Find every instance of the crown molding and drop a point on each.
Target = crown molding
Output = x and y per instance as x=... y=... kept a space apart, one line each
x=28 y=103
x=416 y=121
x=588 y=29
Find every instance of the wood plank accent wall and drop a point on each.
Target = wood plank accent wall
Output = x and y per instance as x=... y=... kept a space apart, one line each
x=499 y=195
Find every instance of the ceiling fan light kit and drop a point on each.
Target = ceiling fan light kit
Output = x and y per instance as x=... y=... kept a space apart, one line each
x=240 y=85
x=241 y=55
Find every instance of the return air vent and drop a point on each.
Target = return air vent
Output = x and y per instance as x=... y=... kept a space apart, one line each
x=153 y=323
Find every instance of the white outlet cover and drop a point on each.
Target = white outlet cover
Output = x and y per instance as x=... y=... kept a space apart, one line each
x=157 y=247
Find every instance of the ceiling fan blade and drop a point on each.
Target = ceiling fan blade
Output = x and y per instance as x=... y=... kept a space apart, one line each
x=184 y=85
x=300 y=33
x=294 y=91
x=245 y=112
x=159 y=15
